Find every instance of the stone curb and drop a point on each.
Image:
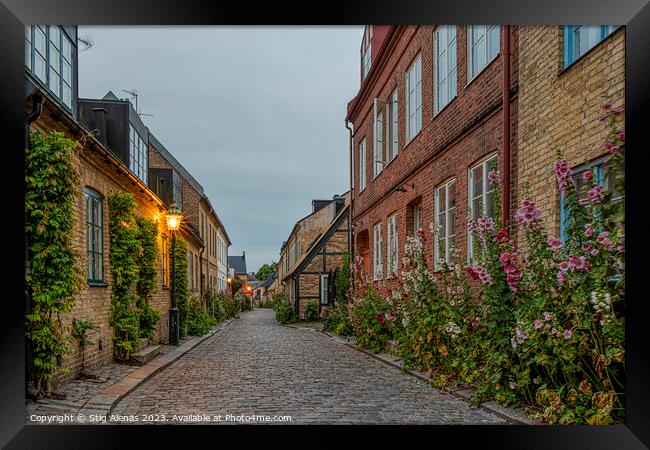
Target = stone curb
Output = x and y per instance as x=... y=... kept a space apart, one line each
x=511 y=414
x=103 y=402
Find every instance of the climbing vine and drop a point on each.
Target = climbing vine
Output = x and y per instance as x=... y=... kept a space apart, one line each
x=147 y=276
x=124 y=250
x=179 y=253
x=52 y=183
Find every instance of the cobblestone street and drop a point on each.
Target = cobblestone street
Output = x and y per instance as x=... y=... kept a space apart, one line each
x=257 y=367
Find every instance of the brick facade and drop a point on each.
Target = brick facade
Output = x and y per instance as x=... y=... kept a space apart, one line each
x=559 y=108
x=467 y=130
x=102 y=173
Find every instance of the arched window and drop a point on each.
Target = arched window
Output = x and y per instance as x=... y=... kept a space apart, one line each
x=94 y=235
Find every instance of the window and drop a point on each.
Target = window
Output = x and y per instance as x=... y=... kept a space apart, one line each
x=414 y=99
x=417 y=218
x=49 y=56
x=378 y=145
x=190 y=268
x=366 y=52
x=392 y=246
x=165 y=261
x=579 y=39
x=391 y=122
x=378 y=267
x=480 y=194
x=445 y=66
x=139 y=154
x=362 y=165
x=445 y=220
x=483 y=45
x=603 y=175
x=95 y=236
x=324 y=285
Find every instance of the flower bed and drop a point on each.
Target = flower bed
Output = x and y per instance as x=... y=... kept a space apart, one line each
x=539 y=324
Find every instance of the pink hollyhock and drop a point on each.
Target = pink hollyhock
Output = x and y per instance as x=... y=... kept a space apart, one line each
x=621 y=135
x=502 y=236
x=607 y=106
x=568 y=334
x=602 y=237
x=587 y=175
x=593 y=251
x=595 y=193
x=547 y=315
x=621 y=248
x=560 y=278
x=528 y=214
x=485 y=224
x=493 y=177
x=614 y=149
x=380 y=318
x=564 y=266
x=538 y=324
x=563 y=175
x=618 y=111
x=554 y=243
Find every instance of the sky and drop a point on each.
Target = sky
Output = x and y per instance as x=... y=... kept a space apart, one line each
x=255 y=114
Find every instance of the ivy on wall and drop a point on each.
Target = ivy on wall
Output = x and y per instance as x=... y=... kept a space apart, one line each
x=147 y=276
x=52 y=181
x=179 y=252
x=124 y=251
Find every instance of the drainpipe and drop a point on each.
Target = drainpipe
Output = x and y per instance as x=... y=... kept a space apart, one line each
x=201 y=271
x=37 y=109
x=350 y=243
x=505 y=211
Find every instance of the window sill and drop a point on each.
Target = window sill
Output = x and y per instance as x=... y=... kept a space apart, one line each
x=97 y=284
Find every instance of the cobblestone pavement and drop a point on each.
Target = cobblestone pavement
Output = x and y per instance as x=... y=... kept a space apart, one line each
x=257 y=367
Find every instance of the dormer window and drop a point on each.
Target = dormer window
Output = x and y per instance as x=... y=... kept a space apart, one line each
x=366 y=52
x=138 y=155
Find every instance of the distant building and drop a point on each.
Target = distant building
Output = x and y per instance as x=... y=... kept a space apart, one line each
x=314 y=249
x=238 y=266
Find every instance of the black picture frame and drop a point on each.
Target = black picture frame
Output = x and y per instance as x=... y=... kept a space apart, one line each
x=634 y=14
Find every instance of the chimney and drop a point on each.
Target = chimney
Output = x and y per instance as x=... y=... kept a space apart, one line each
x=243 y=254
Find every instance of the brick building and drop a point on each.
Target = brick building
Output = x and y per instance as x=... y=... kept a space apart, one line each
x=315 y=247
x=565 y=74
x=51 y=105
x=428 y=123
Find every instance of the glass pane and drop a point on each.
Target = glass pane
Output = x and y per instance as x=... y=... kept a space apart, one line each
x=67 y=95
x=493 y=41
x=55 y=36
x=442 y=225
x=477 y=179
x=40 y=40
x=477 y=210
x=67 y=49
x=441 y=36
x=442 y=199
x=489 y=204
x=89 y=238
x=67 y=73
x=451 y=241
x=28 y=47
x=89 y=260
x=451 y=195
x=98 y=267
x=452 y=221
x=55 y=82
x=39 y=69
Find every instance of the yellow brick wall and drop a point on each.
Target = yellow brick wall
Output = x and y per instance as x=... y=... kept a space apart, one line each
x=559 y=109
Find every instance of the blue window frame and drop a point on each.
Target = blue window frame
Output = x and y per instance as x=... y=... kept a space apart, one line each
x=601 y=175
x=579 y=39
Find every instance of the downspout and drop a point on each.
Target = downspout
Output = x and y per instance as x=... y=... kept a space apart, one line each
x=201 y=271
x=37 y=101
x=505 y=211
x=350 y=215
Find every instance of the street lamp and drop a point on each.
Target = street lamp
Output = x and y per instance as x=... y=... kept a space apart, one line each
x=174 y=218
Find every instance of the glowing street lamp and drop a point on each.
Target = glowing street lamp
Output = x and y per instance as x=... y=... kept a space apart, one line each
x=174 y=218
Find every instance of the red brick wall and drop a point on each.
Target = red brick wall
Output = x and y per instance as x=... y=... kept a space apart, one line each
x=468 y=129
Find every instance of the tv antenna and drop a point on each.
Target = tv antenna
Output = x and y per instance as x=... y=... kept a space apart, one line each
x=134 y=95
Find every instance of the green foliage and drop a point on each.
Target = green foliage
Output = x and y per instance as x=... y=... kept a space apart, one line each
x=284 y=309
x=52 y=183
x=178 y=256
x=367 y=315
x=335 y=319
x=235 y=286
x=343 y=280
x=124 y=251
x=147 y=276
x=311 y=311
x=266 y=271
x=79 y=330
x=197 y=320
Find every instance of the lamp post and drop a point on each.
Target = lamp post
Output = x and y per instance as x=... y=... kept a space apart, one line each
x=173 y=224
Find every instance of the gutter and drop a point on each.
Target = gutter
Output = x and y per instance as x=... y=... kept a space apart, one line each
x=350 y=216
x=505 y=210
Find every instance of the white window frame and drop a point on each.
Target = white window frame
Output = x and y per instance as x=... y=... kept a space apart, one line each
x=392 y=127
x=449 y=54
x=392 y=246
x=486 y=190
x=416 y=68
x=378 y=161
x=324 y=284
x=362 y=164
x=378 y=268
x=470 y=44
x=450 y=234
x=417 y=218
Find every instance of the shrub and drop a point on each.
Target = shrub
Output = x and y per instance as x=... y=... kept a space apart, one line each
x=197 y=321
x=335 y=319
x=311 y=311
x=284 y=309
x=368 y=312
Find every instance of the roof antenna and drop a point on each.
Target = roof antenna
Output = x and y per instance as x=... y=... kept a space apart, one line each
x=134 y=95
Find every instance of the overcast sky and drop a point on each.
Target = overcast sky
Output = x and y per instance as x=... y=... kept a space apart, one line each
x=255 y=114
